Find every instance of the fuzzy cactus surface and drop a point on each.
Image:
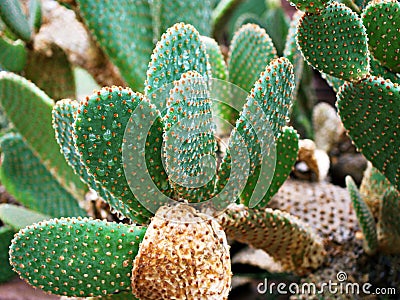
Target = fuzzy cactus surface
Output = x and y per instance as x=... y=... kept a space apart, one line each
x=139 y=149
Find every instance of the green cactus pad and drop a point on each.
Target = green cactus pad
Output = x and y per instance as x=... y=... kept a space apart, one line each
x=125 y=33
x=12 y=15
x=272 y=92
x=219 y=69
x=19 y=217
x=222 y=13
x=287 y=147
x=63 y=121
x=13 y=55
x=292 y=53
x=6 y=235
x=389 y=222
x=368 y=111
x=195 y=12
x=250 y=52
x=288 y=240
x=311 y=6
x=100 y=127
x=179 y=50
x=381 y=18
x=335 y=42
x=364 y=216
x=24 y=176
x=29 y=109
x=52 y=74
x=76 y=257
x=190 y=145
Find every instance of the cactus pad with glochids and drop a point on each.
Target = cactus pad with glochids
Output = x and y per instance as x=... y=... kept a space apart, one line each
x=107 y=137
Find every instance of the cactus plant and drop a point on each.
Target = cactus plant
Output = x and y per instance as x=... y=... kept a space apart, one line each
x=345 y=46
x=116 y=139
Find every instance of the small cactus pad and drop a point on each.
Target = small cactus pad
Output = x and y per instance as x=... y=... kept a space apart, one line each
x=287 y=147
x=250 y=52
x=25 y=177
x=190 y=145
x=63 y=121
x=324 y=206
x=368 y=111
x=29 y=109
x=389 y=222
x=53 y=74
x=381 y=18
x=335 y=42
x=195 y=12
x=310 y=6
x=288 y=240
x=184 y=255
x=179 y=50
x=219 y=69
x=99 y=128
x=261 y=121
x=6 y=235
x=19 y=217
x=125 y=33
x=76 y=257
x=365 y=217
x=13 y=54
x=12 y=15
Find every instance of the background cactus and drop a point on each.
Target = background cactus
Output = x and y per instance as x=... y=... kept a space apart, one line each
x=99 y=136
x=343 y=51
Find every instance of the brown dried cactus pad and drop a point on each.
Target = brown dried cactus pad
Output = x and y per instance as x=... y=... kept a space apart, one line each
x=184 y=255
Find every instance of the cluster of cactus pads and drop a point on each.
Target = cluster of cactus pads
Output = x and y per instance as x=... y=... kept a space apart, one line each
x=180 y=252
x=358 y=52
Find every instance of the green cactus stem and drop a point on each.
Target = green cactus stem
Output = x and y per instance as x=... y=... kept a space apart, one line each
x=6 y=234
x=53 y=74
x=29 y=109
x=365 y=217
x=12 y=15
x=76 y=257
x=183 y=42
x=381 y=18
x=63 y=121
x=26 y=178
x=124 y=30
x=345 y=52
x=250 y=51
x=190 y=145
x=13 y=55
x=374 y=137
x=99 y=132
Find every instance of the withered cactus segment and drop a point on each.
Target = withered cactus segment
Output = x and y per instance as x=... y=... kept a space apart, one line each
x=184 y=255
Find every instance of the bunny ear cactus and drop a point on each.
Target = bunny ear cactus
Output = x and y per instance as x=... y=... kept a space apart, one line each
x=126 y=146
x=353 y=53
